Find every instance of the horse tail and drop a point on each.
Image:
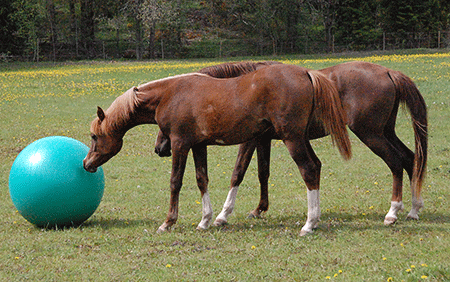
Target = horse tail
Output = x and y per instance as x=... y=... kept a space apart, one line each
x=329 y=109
x=408 y=94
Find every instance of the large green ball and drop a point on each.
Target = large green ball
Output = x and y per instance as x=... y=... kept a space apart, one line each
x=49 y=186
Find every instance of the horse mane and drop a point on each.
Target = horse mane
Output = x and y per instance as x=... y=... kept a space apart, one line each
x=118 y=114
x=234 y=69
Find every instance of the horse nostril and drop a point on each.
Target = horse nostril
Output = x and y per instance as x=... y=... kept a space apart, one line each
x=88 y=167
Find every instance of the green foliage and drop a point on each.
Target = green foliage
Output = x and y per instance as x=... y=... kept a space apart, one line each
x=74 y=29
x=119 y=242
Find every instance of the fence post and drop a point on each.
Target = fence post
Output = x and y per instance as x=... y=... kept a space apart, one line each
x=103 y=47
x=439 y=39
x=384 y=41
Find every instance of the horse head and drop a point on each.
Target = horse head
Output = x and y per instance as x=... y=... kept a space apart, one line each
x=162 y=146
x=104 y=144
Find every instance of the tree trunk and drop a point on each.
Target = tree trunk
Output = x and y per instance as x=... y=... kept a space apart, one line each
x=87 y=26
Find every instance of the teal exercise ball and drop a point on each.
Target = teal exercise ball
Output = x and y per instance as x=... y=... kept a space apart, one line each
x=49 y=186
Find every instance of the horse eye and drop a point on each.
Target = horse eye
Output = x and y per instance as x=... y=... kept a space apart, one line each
x=94 y=137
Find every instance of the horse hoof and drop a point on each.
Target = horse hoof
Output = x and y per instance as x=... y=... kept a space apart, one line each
x=220 y=222
x=200 y=228
x=389 y=220
x=163 y=228
x=305 y=232
x=412 y=217
x=254 y=214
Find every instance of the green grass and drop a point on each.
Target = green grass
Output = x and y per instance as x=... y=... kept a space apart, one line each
x=119 y=242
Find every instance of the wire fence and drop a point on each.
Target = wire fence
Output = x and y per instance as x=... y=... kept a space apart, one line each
x=115 y=49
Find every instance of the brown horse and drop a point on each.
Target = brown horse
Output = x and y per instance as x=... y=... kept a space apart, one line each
x=196 y=110
x=370 y=95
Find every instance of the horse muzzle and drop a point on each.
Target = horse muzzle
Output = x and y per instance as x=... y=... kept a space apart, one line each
x=88 y=166
x=163 y=152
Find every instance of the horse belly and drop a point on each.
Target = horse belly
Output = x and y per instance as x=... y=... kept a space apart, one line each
x=231 y=129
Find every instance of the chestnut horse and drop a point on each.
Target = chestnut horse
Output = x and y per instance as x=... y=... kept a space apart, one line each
x=370 y=95
x=196 y=110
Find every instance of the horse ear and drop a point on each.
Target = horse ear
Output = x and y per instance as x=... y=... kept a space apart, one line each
x=100 y=114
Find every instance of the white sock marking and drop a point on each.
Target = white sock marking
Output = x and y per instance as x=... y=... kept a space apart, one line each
x=206 y=211
x=395 y=208
x=313 y=212
x=228 y=206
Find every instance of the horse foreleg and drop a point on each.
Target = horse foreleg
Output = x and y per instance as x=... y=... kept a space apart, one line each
x=309 y=166
x=243 y=160
x=201 y=169
x=263 y=151
x=176 y=181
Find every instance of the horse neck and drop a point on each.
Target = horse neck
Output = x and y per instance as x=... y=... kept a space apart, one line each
x=149 y=99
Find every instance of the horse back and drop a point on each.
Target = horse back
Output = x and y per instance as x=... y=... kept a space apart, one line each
x=211 y=109
x=366 y=91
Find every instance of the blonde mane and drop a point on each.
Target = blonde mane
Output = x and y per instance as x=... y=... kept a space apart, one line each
x=118 y=114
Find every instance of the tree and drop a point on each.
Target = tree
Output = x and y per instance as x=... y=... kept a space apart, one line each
x=9 y=41
x=357 y=24
x=30 y=16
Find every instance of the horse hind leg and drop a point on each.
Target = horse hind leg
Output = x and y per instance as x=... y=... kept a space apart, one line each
x=408 y=165
x=200 y=161
x=242 y=162
x=309 y=166
x=263 y=151
x=381 y=146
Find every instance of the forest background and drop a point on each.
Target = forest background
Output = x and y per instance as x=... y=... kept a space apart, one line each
x=55 y=30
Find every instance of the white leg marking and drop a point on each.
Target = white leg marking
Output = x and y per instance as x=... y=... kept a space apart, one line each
x=391 y=216
x=207 y=212
x=417 y=204
x=313 y=212
x=228 y=207
x=163 y=228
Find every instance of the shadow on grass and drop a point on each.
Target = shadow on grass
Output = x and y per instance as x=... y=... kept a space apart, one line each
x=115 y=223
x=333 y=222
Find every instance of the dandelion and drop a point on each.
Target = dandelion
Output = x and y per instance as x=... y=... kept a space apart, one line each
x=384 y=258
x=424 y=265
x=197 y=202
x=335 y=275
x=253 y=247
x=424 y=277
x=340 y=271
x=168 y=265
x=401 y=244
x=413 y=266
x=328 y=277
x=408 y=270
x=389 y=279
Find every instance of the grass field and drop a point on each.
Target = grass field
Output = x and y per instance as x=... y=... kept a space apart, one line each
x=119 y=242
